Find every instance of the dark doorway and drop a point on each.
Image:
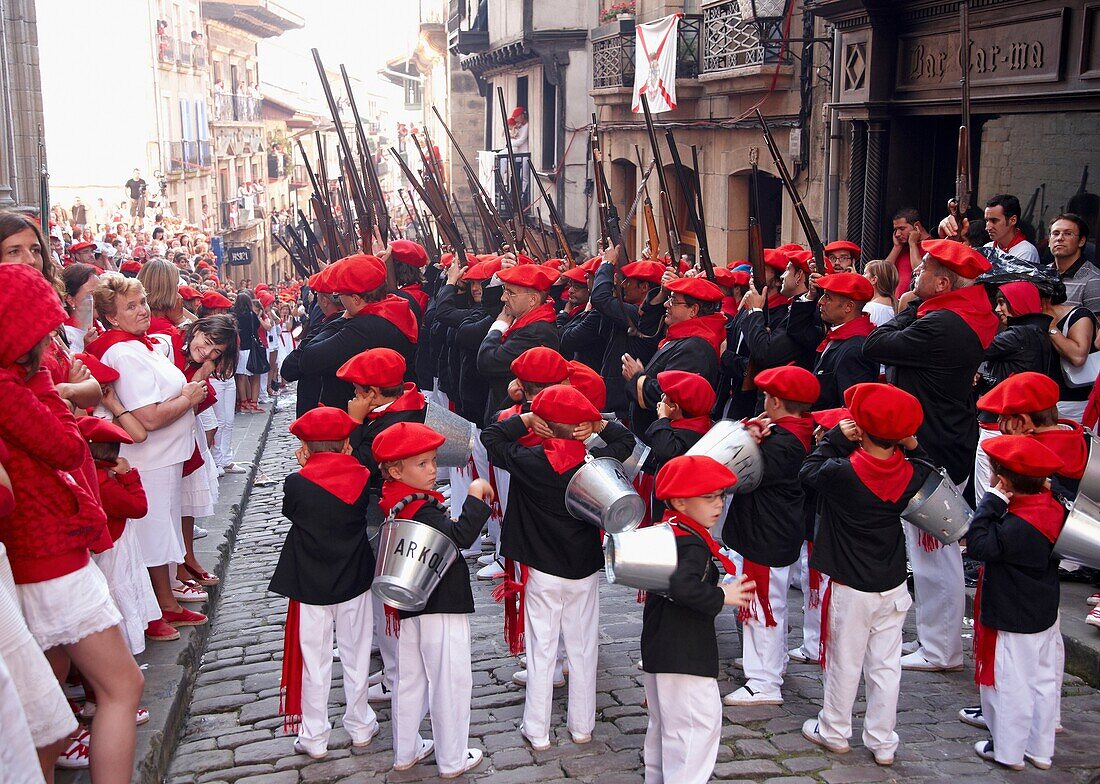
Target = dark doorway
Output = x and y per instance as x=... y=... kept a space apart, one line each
x=521 y=93
x=549 y=125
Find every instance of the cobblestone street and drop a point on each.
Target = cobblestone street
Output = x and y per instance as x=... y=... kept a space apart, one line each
x=233 y=732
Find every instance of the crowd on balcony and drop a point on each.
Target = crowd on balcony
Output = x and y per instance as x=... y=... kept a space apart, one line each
x=241 y=106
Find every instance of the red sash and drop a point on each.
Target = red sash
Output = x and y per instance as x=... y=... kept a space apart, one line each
x=971 y=304
x=412 y=399
x=710 y=328
x=1068 y=442
x=859 y=327
x=418 y=294
x=392 y=492
x=395 y=310
x=696 y=424
x=340 y=474
x=98 y=347
x=290 y=683
x=564 y=453
x=544 y=312
x=761 y=575
x=682 y=525
x=159 y=325
x=801 y=427
x=887 y=477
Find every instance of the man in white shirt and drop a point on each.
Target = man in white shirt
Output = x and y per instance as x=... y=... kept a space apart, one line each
x=1002 y=214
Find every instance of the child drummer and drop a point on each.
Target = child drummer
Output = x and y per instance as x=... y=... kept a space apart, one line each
x=433 y=655
x=326 y=568
x=679 y=645
x=864 y=481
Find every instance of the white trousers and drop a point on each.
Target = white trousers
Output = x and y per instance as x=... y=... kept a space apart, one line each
x=433 y=674
x=982 y=469
x=387 y=645
x=864 y=636
x=685 y=725
x=224 y=409
x=1021 y=709
x=811 y=606
x=555 y=606
x=940 y=597
x=18 y=760
x=764 y=648
x=353 y=634
x=503 y=480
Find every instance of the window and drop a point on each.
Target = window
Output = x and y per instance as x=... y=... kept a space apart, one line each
x=549 y=125
x=521 y=93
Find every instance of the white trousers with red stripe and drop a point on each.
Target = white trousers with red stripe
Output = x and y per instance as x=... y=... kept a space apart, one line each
x=387 y=645
x=354 y=629
x=570 y=609
x=433 y=674
x=764 y=648
x=811 y=605
x=864 y=636
x=685 y=725
x=940 y=597
x=460 y=482
x=1021 y=708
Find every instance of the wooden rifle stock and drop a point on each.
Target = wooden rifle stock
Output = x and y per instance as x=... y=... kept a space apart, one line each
x=609 y=214
x=685 y=188
x=667 y=212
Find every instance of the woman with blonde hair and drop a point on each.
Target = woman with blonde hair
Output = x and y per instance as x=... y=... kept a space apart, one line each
x=884 y=278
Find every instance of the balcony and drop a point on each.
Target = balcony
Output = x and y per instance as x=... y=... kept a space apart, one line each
x=189 y=156
x=467 y=33
x=613 y=52
x=236 y=107
x=729 y=43
x=166 y=48
x=299 y=178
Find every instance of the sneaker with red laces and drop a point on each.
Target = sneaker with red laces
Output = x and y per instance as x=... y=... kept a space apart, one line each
x=1093 y=618
x=185 y=617
x=187 y=591
x=160 y=630
x=1093 y=600
x=75 y=756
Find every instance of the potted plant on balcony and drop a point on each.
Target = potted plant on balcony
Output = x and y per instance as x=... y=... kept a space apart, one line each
x=620 y=11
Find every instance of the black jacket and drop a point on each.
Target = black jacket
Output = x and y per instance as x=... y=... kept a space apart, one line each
x=308 y=393
x=537 y=529
x=584 y=337
x=494 y=357
x=793 y=336
x=665 y=442
x=693 y=354
x=362 y=438
x=1023 y=345
x=1020 y=579
x=454 y=311
x=840 y=366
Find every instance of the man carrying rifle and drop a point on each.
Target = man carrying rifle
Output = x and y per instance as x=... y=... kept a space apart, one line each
x=584 y=332
x=324 y=321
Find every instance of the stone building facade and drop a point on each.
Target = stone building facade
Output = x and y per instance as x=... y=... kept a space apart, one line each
x=20 y=105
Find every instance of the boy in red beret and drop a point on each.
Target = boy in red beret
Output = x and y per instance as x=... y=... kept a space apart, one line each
x=864 y=480
x=434 y=672
x=562 y=555
x=683 y=416
x=679 y=644
x=325 y=568
x=766 y=528
x=1017 y=661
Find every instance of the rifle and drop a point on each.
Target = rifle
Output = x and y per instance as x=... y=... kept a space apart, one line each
x=518 y=219
x=462 y=217
x=693 y=215
x=299 y=267
x=666 y=202
x=812 y=237
x=556 y=224
x=311 y=238
x=609 y=215
x=653 y=237
x=959 y=205
x=332 y=231
x=415 y=220
x=449 y=229
x=756 y=239
x=431 y=241
x=381 y=209
x=316 y=190
x=438 y=205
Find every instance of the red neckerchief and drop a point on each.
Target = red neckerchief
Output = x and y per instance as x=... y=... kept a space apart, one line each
x=572 y=314
x=395 y=310
x=777 y=300
x=682 y=525
x=1017 y=238
x=886 y=478
x=98 y=347
x=730 y=305
x=340 y=474
x=1068 y=442
x=530 y=438
x=412 y=399
x=393 y=491
x=696 y=424
x=211 y=398
x=859 y=327
x=971 y=305
x=544 y=312
x=418 y=294
x=563 y=453
x=1041 y=510
x=710 y=328
x=801 y=427
x=159 y=325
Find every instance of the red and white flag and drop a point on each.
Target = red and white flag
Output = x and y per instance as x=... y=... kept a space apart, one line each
x=655 y=64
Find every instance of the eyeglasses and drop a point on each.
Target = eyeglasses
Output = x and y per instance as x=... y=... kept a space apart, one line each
x=673 y=302
x=1059 y=233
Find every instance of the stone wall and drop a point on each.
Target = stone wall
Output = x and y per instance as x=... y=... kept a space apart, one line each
x=21 y=122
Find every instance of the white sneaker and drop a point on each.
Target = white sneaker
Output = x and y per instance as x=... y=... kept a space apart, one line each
x=75 y=756
x=379 y=693
x=811 y=732
x=973 y=717
x=1093 y=618
x=363 y=743
x=746 y=696
x=376 y=677
x=540 y=746
x=916 y=661
x=235 y=468
x=491 y=572
x=426 y=747
x=800 y=655
x=519 y=677
x=473 y=759
x=199 y=533
x=189 y=592
x=301 y=749
x=984 y=749
x=910 y=647
x=470 y=553
x=487 y=559
x=1093 y=600
x=1039 y=762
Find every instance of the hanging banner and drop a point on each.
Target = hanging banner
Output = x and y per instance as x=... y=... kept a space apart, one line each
x=655 y=64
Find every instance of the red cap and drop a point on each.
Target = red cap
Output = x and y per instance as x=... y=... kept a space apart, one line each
x=102 y=373
x=839 y=245
x=266 y=298
x=204 y=265
x=186 y=292
x=588 y=382
x=76 y=246
x=729 y=278
x=830 y=417
x=1022 y=455
x=688 y=476
x=325 y=423
x=776 y=259
x=260 y=287
x=690 y=391
x=591 y=265
x=100 y=431
x=483 y=270
x=697 y=288
x=319 y=281
x=884 y=411
x=961 y=259
x=554 y=264
x=408 y=252
x=1021 y=393
x=212 y=300
x=405 y=439
x=801 y=259
x=577 y=275
x=29 y=310
x=790 y=247
x=540 y=365
x=789 y=382
x=651 y=271
x=130 y=266
x=523 y=258
x=357 y=274
x=1022 y=297
x=564 y=404
x=529 y=276
x=376 y=367
x=847 y=284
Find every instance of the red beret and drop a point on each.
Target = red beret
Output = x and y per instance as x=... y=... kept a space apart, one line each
x=266 y=298
x=212 y=300
x=204 y=265
x=697 y=288
x=189 y=293
x=839 y=245
x=801 y=259
x=405 y=439
x=325 y=423
x=357 y=274
x=651 y=271
x=776 y=259
x=790 y=247
x=1022 y=455
x=523 y=258
x=376 y=367
x=529 y=276
x=564 y=404
x=102 y=373
x=29 y=310
x=591 y=265
x=690 y=391
x=577 y=275
x=883 y=410
x=554 y=264
x=1022 y=297
x=261 y=287
x=540 y=365
x=689 y=476
x=321 y=282
x=100 y=431
x=847 y=284
x=729 y=278
x=588 y=382
x=77 y=246
x=961 y=259
x=789 y=382
x=1021 y=393
x=483 y=270
x=408 y=252
x=830 y=417
x=130 y=266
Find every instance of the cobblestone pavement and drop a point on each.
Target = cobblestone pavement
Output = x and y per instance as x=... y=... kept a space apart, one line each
x=234 y=733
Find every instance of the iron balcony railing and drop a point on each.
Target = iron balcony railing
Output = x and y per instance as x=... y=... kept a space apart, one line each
x=613 y=51
x=730 y=43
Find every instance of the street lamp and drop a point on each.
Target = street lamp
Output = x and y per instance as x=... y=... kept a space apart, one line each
x=768 y=17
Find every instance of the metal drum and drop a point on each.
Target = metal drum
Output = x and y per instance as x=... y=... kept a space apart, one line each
x=732 y=445
x=412 y=558
x=939 y=509
x=1080 y=537
x=601 y=493
x=460 y=434
x=1090 y=481
x=644 y=559
x=633 y=464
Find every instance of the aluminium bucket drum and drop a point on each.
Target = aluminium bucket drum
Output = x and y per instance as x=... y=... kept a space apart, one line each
x=644 y=558
x=732 y=445
x=1080 y=537
x=460 y=433
x=1090 y=481
x=601 y=493
x=939 y=509
x=412 y=558
x=633 y=464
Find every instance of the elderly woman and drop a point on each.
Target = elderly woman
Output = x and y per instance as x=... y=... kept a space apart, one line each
x=155 y=391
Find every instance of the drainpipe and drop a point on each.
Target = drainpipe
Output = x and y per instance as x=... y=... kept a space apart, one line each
x=832 y=150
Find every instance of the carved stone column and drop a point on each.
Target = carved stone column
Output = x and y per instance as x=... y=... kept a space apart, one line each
x=874 y=177
x=856 y=167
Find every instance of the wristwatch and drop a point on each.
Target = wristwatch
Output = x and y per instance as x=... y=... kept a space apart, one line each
x=1053 y=331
